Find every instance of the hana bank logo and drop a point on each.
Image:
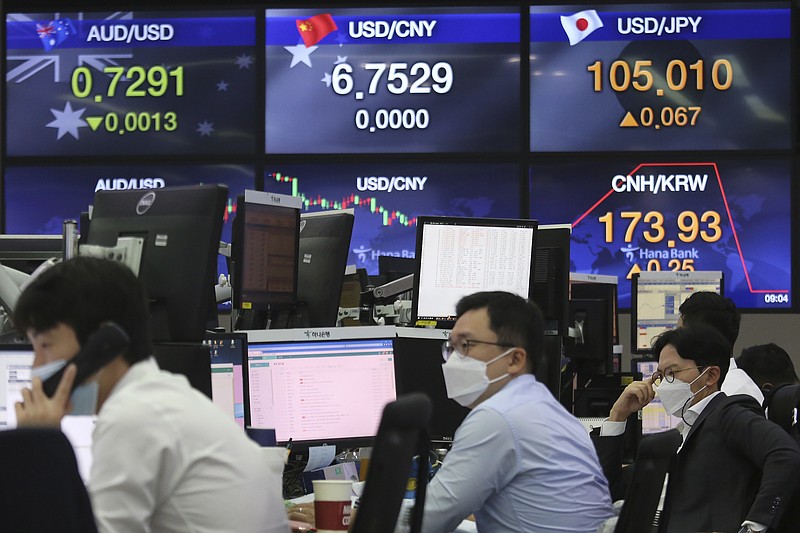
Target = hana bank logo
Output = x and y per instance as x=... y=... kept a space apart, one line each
x=361 y=253
x=630 y=253
x=364 y=254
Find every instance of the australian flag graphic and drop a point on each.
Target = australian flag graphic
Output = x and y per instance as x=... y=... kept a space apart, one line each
x=52 y=34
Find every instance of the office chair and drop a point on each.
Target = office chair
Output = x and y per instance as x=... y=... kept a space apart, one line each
x=41 y=489
x=782 y=404
x=653 y=459
x=402 y=434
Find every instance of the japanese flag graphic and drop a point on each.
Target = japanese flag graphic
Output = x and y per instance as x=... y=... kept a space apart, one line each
x=581 y=25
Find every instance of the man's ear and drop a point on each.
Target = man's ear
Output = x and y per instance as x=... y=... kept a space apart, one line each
x=712 y=376
x=518 y=360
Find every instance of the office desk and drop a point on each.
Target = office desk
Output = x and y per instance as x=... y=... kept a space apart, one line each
x=466 y=526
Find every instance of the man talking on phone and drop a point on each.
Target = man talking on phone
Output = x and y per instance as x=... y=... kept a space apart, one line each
x=165 y=459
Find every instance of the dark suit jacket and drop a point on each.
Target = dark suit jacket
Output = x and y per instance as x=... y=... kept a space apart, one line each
x=734 y=465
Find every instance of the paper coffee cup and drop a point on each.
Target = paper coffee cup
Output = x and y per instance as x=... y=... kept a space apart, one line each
x=332 y=504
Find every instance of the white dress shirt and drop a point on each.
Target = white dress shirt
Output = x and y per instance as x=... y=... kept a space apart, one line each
x=738 y=382
x=519 y=462
x=168 y=460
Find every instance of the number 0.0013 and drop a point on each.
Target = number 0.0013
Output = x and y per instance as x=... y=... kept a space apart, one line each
x=141 y=122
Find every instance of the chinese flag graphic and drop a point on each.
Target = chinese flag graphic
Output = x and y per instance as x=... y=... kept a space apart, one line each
x=314 y=29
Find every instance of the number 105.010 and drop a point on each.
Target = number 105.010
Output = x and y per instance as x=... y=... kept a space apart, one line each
x=640 y=75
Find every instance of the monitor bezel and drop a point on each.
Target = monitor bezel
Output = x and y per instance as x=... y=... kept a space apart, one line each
x=259 y=199
x=678 y=277
x=175 y=315
x=317 y=335
x=422 y=221
x=242 y=337
x=322 y=307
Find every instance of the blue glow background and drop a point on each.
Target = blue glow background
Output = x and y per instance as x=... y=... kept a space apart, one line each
x=468 y=190
x=758 y=192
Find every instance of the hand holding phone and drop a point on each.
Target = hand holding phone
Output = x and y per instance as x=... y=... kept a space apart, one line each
x=37 y=410
x=103 y=345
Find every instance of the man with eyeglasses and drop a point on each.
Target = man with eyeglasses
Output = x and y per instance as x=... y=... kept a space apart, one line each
x=735 y=470
x=519 y=460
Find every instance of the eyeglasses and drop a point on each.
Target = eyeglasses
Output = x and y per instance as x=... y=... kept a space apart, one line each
x=461 y=347
x=669 y=374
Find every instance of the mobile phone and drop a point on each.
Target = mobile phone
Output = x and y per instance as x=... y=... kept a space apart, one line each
x=109 y=341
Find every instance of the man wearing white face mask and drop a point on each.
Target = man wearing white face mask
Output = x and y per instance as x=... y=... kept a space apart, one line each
x=519 y=461
x=165 y=459
x=735 y=470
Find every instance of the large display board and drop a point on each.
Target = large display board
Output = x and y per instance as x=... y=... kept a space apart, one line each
x=664 y=132
x=130 y=83
x=631 y=215
x=387 y=198
x=393 y=80
x=693 y=76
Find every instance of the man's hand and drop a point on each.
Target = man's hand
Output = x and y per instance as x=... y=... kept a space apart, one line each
x=633 y=398
x=36 y=409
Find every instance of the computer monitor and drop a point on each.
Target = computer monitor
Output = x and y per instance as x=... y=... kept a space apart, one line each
x=591 y=348
x=550 y=288
x=324 y=247
x=320 y=386
x=26 y=252
x=654 y=418
x=181 y=229
x=264 y=251
x=16 y=361
x=597 y=286
x=459 y=256
x=391 y=268
x=228 y=355
x=657 y=297
x=596 y=397
x=418 y=368
x=190 y=359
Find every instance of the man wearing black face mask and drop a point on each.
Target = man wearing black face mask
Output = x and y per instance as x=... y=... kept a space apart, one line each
x=519 y=461
x=768 y=365
x=734 y=469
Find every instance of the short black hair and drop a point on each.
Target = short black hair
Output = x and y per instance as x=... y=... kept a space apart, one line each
x=710 y=308
x=515 y=321
x=767 y=363
x=83 y=293
x=701 y=343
